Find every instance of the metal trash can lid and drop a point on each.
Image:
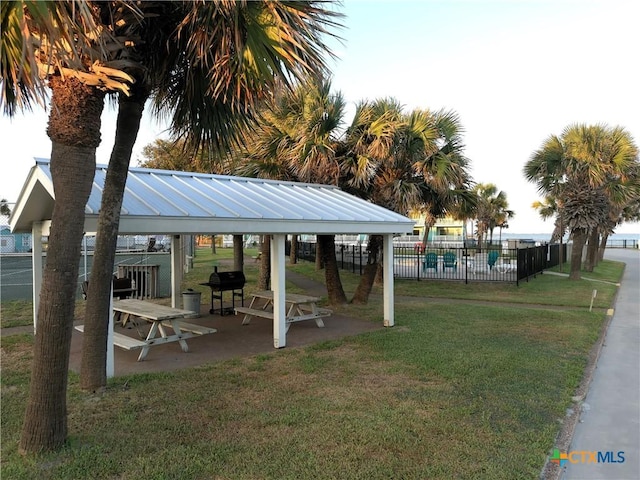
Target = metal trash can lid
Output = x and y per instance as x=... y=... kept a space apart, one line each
x=191 y=291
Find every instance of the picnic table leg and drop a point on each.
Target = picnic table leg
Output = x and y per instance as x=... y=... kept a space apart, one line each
x=152 y=334
x=121 y=318
x=314 y=310
x=247 y=318
x=175 y=324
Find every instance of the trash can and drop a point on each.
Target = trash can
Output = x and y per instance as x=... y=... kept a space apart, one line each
x=191 y=301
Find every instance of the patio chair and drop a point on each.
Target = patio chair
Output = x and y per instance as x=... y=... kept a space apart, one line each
x=430 y=261
x=493 y=258
x=480 y=263
x=450 y=260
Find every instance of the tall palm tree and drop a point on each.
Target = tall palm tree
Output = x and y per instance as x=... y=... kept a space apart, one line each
x=206 y=65
x=370 y=170
x=74 y=46
x=492 y=209
x=61 y=46
x=403 y=162
x=296 y=139
x=585 y=169
x=447 y=183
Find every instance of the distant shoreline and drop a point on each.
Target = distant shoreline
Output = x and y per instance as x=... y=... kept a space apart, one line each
x=547 y=236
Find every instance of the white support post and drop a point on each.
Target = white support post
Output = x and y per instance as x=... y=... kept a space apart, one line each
x=278 y=287
x=387 y=273
x=36 y=264
x=176 y=269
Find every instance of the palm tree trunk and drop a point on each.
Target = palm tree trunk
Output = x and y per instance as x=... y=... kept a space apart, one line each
x=603 y=246
x=480 y=237
x=293 y=251
x=335 y=291
x=579 y=237
x=264 y=277
x=94 y=346
x=557 y=231
x=319 y=254
x=74 y=129
x=238 y=253
x=592 y=250
x=425 y=236
x=361 y=295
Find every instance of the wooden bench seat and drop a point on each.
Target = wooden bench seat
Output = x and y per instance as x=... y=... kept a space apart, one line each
x=193 y=328
x=322 y=312
x=254 y=312
x=122 y=341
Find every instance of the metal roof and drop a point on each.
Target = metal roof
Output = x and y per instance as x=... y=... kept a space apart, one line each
x=171 y=202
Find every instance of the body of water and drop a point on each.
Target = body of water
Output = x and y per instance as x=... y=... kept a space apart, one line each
x=545 y=237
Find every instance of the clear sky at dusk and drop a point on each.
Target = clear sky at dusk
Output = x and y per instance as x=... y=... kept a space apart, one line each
x=515 y=71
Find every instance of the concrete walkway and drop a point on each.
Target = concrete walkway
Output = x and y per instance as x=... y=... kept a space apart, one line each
x=610 y=416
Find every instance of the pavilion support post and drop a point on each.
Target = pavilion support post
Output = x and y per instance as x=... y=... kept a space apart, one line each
x=387 y=274
x=176 y=269
x=278 y=287
x=110 y=353
x=36 y=263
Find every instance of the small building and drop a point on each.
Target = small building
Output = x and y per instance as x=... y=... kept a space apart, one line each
x=14 y=242
x=446 y=230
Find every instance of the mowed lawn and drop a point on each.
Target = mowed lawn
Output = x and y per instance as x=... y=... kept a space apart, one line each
x=454 y=390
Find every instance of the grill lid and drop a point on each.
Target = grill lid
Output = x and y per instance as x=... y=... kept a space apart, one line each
x=226 y=280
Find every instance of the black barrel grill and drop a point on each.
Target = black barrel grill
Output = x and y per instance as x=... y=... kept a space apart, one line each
x=221 y=282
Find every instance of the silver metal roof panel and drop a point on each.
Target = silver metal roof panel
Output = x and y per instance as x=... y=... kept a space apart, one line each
x=171 y=202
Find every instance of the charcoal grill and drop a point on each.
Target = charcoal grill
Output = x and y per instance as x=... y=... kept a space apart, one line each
x=221 y=282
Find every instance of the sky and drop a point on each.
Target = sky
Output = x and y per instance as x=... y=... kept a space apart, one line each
x=515 y=71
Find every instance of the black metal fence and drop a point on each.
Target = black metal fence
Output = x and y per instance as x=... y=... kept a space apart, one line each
x=511 y=265
x=623 y=243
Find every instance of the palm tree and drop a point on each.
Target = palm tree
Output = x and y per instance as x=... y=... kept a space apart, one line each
x=491 y=210
x=207 y=65
x=585 y=169
x=296 y=139
x=447 y=179
x=403 y=162
x=547 y=208
x=629 y=213
x=4 y=207
x=369 y=171
x=59 y=45
x=66 y=44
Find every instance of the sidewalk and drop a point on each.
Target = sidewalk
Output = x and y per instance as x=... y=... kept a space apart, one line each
x=610 y=415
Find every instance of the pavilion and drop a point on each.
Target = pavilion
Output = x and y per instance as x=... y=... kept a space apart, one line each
x=176 y=203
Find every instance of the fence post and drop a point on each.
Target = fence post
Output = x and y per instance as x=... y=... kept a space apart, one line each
x=465 y=258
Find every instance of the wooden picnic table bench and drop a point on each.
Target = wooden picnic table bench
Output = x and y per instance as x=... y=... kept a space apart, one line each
x=160 y=317
x=299 y=308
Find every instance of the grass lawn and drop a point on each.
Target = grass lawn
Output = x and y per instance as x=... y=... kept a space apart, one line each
x=455 y=390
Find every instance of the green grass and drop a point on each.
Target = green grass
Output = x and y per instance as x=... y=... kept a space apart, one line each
x=455 y=390
x=16 y=313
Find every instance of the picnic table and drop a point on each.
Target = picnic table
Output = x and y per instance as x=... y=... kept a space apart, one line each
x=161 y=317
x=298 y=308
